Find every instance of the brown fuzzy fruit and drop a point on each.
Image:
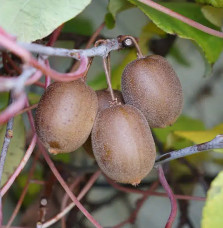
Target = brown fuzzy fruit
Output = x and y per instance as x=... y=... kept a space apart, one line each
x=151 y=85
x=122 y=143
x=65 y=115
x=104 y=101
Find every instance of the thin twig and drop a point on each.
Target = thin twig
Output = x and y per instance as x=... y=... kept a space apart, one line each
x=159 y=194
x=182 y=18
x=180 y=197
x=66 y=197
x=51 y=42
x=83 y=192
x=66 y=188
x=13 y=108
x=20 y=167
x=27 y=109
x=89 y=43
x=95 y=35
x=171 y=196
x=196 y=173
x=7 y=140
x=11 y=62
x=139 y=204
x=55 y=35
x=216 y=143
x=24 y=191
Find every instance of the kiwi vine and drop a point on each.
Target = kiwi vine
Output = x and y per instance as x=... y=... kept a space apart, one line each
x=115 y=127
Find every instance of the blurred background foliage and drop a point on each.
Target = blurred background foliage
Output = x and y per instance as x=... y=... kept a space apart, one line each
x=196 y=57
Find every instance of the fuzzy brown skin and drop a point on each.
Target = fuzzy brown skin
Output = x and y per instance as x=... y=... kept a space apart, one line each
x=151 y=85
x=65 y=115
x=104 y=101
x=123 y=145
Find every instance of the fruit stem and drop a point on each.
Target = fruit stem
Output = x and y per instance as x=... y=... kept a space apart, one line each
x=106 y=63
x=126 y=42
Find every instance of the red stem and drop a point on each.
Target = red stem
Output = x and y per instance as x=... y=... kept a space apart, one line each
x=171 y=196
x=40 y=84
x=53 y=39
x=66 y=197
x=62 y=76
x=26 y=109
x=161 y=194
x=182 y=18
x=24 y=191
x=66 y=188
x=55 y=35
x=36 y=76
x=89 y=43
x=18 y=170
x=139 y=205
x=27 y=57
x=13 y=108
x=83 y=192
x=14 y=48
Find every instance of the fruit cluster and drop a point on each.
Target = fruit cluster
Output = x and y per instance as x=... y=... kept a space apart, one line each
x=121 y=139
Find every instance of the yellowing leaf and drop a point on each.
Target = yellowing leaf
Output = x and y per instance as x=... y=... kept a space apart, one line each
x=200 y=136
x=214 y=15
x=216 y=3
x=213 y=209
x=183 y=123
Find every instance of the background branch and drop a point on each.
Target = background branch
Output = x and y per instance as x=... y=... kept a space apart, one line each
x=171 y=196
x=216 y=143
x=7 y=140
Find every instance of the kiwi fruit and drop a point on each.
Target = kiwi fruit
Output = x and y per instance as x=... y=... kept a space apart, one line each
x=65 y=115
x=151 y=85
x=104 y=101
x=122 y=143
x=104 y=98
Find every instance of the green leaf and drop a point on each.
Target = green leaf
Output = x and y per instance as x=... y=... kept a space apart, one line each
x=4 y=99
x=211 y=45
x=117 y=72
x=214 y=15
x=216 y=3
x=99 y=82
x=16 y=148
x=79 y=25
x=109 y=21
x=115 y=7
x=65 y=157
x=32 y=20
x=213 y=210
